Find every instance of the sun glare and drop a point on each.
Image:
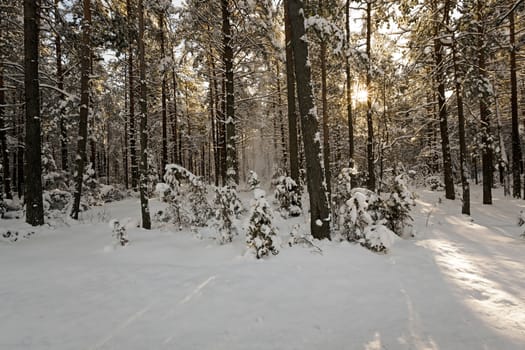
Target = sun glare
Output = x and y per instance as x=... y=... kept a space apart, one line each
x=360 y=95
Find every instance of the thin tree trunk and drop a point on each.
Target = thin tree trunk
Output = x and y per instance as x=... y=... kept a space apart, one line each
x=319 y=204
x=132 y=129
x=516 y=142
x=371 y=183
x=3 y=140
x=284 y=161
x=144 y=200
x=81 y=156
x=126 y=130
x=164 y=156
x=442 y=107
x=349 y=94
x=486 y=151
x=290 y=95
x=232 y=172
x=324 y=101
x=33 y=147
x=60 y=86
x=174 y=121
x=463 y=167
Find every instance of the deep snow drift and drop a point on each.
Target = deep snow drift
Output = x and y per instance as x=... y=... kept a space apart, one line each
x=460 y=284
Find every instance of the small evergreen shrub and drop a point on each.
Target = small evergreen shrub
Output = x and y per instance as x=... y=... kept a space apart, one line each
x=288 y=196
x=119 y=232
x=261 y=233
x=226 y=205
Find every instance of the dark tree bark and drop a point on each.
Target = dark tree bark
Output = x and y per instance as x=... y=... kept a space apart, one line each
x=324 y=101
x=132 y=129
x=3 y=141
x=144 y=200
x=516 y=142
x=281 y=118
x=60 y=86
x=164 y=156
x=484 y=112
x=371 y=183
x=290 y=95
x=232 y=172
x=349 y=92
x=125 y=149
x=85 y=61
x=442 y=106
x=174 y=126
x=33 y=147
x=463 y=167
x=319 y=204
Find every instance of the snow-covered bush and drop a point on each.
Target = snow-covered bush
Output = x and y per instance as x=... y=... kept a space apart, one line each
x=91 y=188
x=119 y=232
x=226 y=204
x=52 y=177
x=288 y=196
x=253 y=180
x=304 y=238
x=56 y=200
x=398 y=206
x=201 y=209
x=170 y=193
x=342 y=190
x=181 y=186
x=109 y=193
x=362 y=220
x=261 y=232
x=434 y=183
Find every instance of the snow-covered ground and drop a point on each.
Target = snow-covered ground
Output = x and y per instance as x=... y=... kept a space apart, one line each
x=460 y=284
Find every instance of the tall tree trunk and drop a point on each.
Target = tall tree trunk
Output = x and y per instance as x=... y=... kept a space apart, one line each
x=463 y=167
x=516 y=142
x=81 y=156
x=232 y=172
x=60 y=86
x=486 y=151
x=319 y=204
x=371 y=183
x=164 y=156
x=349 y=92
x=290 y=95
x=442 y=106
x=324 y=101
x=174 y=126
x=125 y=150
x=284 y=161
x=143 y=130
x=3 y=140
x=132 y=129
x=33 y=147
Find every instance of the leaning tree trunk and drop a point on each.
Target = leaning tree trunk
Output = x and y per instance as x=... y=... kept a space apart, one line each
x=143 y=183
x=33 y=147
x=290 y=95
x=516 y=142
x=319 y=205
x=232 y=172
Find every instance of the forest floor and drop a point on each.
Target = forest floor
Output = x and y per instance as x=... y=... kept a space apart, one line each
x=459 y=284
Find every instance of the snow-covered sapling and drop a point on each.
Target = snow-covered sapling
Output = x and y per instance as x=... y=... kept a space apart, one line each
x=361 y=220
x=398 y=206
x=288 y=196
x=253 y=180
x=261 y=232
x=119 y=232
x=226 y=205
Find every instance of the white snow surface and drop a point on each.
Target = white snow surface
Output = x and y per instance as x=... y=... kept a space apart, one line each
x=460 y=284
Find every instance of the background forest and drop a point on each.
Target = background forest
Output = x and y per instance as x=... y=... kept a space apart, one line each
x=119 y=89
